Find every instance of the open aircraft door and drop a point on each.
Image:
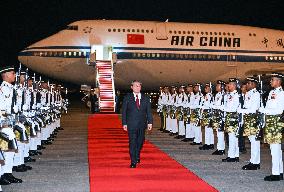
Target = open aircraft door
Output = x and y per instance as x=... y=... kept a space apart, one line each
x=161 y=31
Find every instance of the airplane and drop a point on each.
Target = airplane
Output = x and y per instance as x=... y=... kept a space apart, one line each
x=156 y=53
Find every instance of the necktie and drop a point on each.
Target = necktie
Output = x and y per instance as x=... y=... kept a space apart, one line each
x=137 y=102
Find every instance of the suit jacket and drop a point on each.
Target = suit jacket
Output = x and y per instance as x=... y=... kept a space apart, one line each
x=133 y=117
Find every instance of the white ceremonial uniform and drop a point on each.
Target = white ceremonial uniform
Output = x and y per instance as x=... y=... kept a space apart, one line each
x=189 y=131
x=168 y=104
x=251 y=105
x=275 y=106
x=209 y=135
x=181 y=101
x=218 y=105
x=174 y=122
x=196 y=104
x=231 y=105
x=5 y=105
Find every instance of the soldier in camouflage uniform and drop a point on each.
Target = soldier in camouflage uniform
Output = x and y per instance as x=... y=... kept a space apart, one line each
x=249 y=111
x=274 y=126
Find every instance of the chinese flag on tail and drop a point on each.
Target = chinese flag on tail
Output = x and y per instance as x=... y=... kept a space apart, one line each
x=135 y=39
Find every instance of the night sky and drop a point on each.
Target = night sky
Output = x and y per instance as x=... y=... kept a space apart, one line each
x=24 y=22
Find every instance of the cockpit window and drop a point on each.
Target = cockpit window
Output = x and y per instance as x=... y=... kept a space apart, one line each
x=72 y=27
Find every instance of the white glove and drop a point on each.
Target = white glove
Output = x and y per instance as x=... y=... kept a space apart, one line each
x=34 y=106
x=16 y=109
x=261 y=110
x=25 y=107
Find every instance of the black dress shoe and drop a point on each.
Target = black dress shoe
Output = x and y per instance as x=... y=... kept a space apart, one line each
x=171 y=134
x=60 y=128
x=4 y=181
x=251 y=166
x=138 y=161
x=185 y=140
x=195 y=143
x=27 y=167
x=178 y=137
x=19 y=168
x=29 y=159
x=272 y=178
x=204 y=147
x=11 y=178
x=211 y=147
x=281 y=176
x=132 y=165
x=228 y=159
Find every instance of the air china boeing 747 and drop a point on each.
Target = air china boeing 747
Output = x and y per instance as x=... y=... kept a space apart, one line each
x=157 y=53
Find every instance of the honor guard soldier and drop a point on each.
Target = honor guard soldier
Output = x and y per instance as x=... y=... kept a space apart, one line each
x=189 y=131
x=232 y=120
x=274 y=125
x=180 y=104
x=195 y=117
x=249 y=111
x=8 y=138
x=168 y=110
x=162 y=107
x=242 y=146
x=218 y=117
x=173 y=120
x=206 y=120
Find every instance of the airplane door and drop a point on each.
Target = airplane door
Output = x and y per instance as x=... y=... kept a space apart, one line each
x=161 y=31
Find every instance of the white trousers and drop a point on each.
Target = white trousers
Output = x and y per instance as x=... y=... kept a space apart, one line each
x=19 y=157
x=233 y=151
x=197 y=134
x=181 y=128
x=277 y=161
x=33 y=144
x=220 y=140
x=9 y=158
x=27 y=149
x=209 y=136
x=168 y=124
x=189 y=131
x=255 y=150
x=174 y=125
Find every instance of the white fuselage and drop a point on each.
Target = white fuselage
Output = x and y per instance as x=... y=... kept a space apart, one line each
x=158 y=53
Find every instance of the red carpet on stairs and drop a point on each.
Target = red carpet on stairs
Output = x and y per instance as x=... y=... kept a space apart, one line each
x=109 y=163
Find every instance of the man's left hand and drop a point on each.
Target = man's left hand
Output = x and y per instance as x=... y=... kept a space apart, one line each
x=150 y=127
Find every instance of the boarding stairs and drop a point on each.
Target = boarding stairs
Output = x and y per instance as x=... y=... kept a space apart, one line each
x=106 y=86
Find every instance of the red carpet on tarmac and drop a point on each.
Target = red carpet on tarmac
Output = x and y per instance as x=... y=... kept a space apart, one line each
x=109 y=163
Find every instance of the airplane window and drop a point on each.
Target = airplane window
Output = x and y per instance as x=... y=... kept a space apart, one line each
x=147 y=31
x=72 y=27
x=123 y=30
x=193 y=32
x=175 y=32
x=179 y=32
x=152 y=31
x=118 y=30
x=249 y=34
x=138 y=30
x=170 y=31
x=142 y=30
x=114 y=30
x=184 y=32
x=128 y=30
x=188 y=32
x=109 y=30
x=254 y=34
x=211 y=33
x=133 y=30
x=197 y=32
x=233 y=34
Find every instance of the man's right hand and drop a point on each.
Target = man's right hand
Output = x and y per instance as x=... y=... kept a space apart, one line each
x=125 y=127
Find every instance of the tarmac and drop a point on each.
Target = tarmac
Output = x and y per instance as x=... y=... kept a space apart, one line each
x=63 y=167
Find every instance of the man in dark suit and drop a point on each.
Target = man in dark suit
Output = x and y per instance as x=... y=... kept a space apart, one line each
x=136 y=117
